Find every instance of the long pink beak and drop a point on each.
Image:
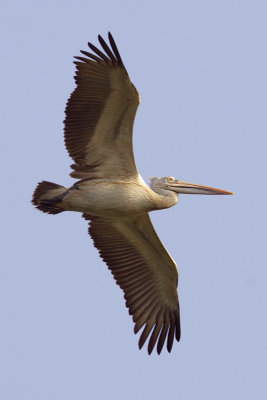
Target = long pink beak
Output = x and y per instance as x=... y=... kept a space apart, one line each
x=191 y=188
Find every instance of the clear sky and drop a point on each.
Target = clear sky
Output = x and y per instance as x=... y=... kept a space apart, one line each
x=200 y=68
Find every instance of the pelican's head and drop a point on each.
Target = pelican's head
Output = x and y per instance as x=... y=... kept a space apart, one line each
x=178 y=186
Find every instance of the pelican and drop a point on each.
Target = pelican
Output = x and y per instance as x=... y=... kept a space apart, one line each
x=113 y=197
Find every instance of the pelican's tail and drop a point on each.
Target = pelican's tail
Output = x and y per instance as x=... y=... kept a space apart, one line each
x=48 y=196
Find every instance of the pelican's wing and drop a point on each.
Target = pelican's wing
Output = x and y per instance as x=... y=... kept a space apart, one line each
x=100 y=115
x=145 y=271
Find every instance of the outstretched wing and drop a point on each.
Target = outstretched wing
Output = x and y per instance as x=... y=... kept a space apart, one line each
x=100 y=115
x=145 y=271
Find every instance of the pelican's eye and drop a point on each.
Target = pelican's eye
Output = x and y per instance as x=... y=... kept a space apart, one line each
x=171 y=179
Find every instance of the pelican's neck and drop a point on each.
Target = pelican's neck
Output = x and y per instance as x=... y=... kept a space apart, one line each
x=164 y=198
x=161 y=198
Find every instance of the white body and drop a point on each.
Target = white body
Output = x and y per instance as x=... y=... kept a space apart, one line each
x=116 y=198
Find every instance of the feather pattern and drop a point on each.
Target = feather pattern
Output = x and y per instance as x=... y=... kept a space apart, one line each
x=100 y=115
x=146 y=273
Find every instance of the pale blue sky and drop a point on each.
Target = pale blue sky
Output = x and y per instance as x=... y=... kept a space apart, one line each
x=200 y=68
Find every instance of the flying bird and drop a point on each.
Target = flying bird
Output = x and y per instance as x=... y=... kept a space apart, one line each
x=113 y=197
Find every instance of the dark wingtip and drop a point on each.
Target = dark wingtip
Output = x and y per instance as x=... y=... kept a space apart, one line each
x=114 y=48
x=178 y=335
x=100 y=39
x=178 y=327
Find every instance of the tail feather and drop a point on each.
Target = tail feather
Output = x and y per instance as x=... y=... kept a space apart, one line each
x=46 y=197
